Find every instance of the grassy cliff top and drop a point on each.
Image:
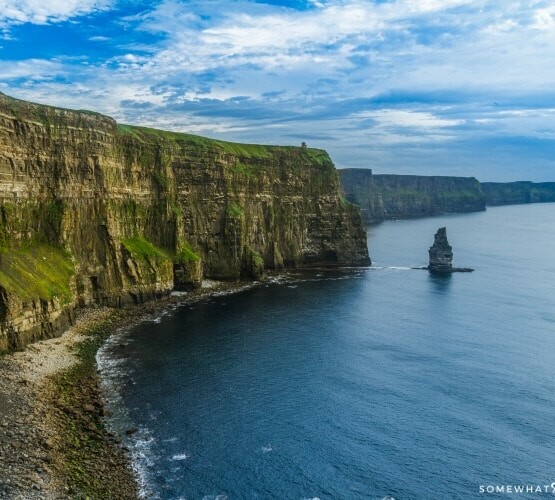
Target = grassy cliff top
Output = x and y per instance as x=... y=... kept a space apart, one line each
x=51 y=115
x=146 y=134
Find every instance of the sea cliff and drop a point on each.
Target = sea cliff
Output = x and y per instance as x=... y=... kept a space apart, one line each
x=93 y=212
x=385 y=196
x=511 y=193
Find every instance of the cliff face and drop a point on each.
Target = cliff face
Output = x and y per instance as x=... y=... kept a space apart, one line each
x=95 y=212
x=510 y=193
x=396 y=196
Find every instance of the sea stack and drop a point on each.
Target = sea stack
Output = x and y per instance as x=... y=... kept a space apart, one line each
x=441 y=255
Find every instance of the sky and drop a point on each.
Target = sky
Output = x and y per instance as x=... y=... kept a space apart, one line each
x=430 y=87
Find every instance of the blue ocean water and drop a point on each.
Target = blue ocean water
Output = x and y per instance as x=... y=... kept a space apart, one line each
x=361 y=383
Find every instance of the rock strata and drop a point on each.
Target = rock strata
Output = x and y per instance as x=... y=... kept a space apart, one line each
x=441 y=255
x=97 y=213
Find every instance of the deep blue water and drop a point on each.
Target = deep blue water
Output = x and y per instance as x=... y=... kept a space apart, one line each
x=357 y=383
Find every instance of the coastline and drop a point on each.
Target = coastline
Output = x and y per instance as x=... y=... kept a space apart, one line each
x=54 y=443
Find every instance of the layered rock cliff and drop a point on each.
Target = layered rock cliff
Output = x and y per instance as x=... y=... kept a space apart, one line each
x=511 y=193
x=384 y=197
x=96 y=212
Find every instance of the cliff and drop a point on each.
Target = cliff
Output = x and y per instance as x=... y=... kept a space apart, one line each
x=92 y=212
x=510 y=193
x=398 y=196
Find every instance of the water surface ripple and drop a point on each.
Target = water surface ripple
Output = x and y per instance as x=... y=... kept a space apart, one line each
x=357 y=383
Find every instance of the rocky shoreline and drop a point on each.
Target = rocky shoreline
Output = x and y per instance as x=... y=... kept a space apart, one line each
x=53 y=439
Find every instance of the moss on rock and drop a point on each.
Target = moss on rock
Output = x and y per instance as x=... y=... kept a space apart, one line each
x=33 y=271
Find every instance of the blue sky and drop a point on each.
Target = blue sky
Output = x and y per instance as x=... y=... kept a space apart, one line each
x=436 y=87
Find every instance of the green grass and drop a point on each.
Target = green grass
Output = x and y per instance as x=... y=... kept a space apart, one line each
x=186 y=254
x=234 y=210
x=319 y=156
x=161 y=179
x=146 y=134
x=33 y=271
x=50 y=114
x=140 y=248
x=241 y=168
x=43 y=113
x=143 y=250
x=175 y=208
x=257 y=259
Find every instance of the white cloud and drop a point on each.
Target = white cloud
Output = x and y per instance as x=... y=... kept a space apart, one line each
x=409 y=119
x=544 y=19
x=473 y=45
x=31 y=69
x=321 y=66
x=238 y=28
x=46 y=11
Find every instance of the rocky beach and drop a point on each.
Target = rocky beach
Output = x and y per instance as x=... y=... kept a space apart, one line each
x=54 y=443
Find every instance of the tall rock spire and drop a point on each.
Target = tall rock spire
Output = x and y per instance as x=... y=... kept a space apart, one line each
x=441 y=255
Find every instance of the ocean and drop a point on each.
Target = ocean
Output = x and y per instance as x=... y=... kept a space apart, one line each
x=384 y=382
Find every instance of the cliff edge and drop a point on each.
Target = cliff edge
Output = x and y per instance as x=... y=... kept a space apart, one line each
x=94 y=212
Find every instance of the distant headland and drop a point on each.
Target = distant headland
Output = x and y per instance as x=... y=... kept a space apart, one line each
x=388 y=196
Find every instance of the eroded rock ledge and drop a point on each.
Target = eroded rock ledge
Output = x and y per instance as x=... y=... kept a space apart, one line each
x=93 y=212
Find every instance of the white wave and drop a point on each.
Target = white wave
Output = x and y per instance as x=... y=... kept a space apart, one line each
x=142 y=459
x=159 y=316
x=180 y=456
x=267 y=449
x=113 y=371
x=277 y=279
